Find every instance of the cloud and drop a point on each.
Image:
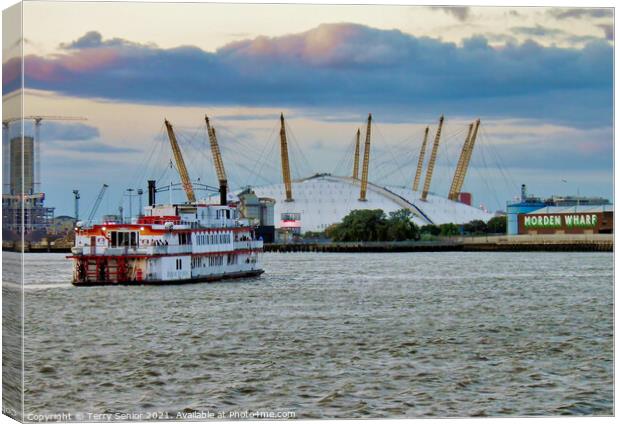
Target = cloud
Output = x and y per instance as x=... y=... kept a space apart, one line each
x=99 y=147
x=608 y=29
x=94 y=39
x=250 y=117
x=538 y=30
x=459 y=12
x=341 y=65
x=69 y=132
x=579 y=13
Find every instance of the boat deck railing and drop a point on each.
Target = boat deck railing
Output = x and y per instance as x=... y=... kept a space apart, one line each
x=159 y=250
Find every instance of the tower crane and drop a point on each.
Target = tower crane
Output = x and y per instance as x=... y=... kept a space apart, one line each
x=37 y=138
x=93 y=211
x=178 y=157
x=219 y=163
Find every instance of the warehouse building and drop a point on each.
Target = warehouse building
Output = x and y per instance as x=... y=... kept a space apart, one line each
x=584 y=219
x=531 y=205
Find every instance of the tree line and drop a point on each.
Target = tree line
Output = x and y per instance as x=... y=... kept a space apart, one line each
x=376 y=225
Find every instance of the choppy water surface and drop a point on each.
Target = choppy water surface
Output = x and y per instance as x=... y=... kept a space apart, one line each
x=331 y=335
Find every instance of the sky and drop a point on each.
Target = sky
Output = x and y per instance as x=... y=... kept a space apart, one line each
x=540 y=80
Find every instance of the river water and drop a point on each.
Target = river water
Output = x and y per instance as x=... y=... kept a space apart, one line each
x=329 y=335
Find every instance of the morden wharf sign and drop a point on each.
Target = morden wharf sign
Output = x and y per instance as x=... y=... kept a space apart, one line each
x=579 y=220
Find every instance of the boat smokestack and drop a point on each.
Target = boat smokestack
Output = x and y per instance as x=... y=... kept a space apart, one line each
x=151 y=185
x=223 y=193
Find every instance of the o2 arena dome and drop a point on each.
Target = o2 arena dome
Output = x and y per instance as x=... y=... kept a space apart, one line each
x=315 y=203
x=324 y=199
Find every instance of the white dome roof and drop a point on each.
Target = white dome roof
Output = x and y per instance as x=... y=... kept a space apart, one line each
x=323 y=200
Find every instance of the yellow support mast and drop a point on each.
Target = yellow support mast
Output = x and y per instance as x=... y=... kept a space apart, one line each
x=454 y=189
x=286 y=170
x=431 y=161
x=218 y=162
x=356 y=157
x=467 y=159
x=418 y=172
x=178 y=157
x=364 y=184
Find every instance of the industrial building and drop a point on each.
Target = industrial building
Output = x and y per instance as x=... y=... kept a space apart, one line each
x=316 y=202
x=559 y=215
x=62 y=224
x=23 y=201
x=568 y=220
x=260 y=212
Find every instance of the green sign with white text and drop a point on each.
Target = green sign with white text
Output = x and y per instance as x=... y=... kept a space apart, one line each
x=559 y=221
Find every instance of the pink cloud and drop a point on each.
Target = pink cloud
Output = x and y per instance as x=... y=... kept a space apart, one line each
x=11 y=70
x=58 y=67
x=326 y=45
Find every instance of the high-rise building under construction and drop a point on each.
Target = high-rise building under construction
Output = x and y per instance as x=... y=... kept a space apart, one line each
x=22 y=207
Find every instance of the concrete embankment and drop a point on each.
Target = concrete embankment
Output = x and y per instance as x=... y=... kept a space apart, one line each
x=36 y=247
x=546 y=243
x=523 y=243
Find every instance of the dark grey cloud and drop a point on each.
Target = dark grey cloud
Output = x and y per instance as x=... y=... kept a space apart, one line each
x=345 y=66
x=459 y=12
x=579 y=13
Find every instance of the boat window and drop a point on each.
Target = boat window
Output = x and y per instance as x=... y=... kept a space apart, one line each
x=124 y=238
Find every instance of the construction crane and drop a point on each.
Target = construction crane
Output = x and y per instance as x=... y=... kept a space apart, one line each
x=37 y=138
x=463 y=163
x=431 y=162
x=356 y=157
x=219 y=163
x=93 y=211
x=286 y=170
x=178 y=157
x=364 y=184
x=418 y=172
x=76 y=204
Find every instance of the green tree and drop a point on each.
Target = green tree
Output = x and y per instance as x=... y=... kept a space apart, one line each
x=476 y=226
x=448 y=230
x=360 y=225
x=373 y=225
x=401 y=227
x=431 y=229
x=497 y=225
